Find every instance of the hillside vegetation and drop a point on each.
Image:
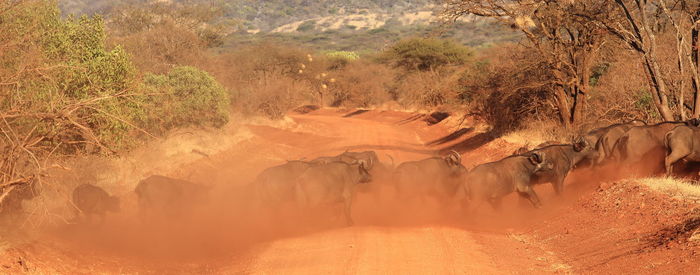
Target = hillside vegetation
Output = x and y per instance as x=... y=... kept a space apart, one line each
x=105 y=83
x=269 y=14
x=321 y=25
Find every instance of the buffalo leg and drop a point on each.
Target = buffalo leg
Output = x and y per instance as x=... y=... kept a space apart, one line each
x=558 y=186
x=672 y=158
x=523 y=201
x=346 y=209
x=495 y=203
x=532 y=196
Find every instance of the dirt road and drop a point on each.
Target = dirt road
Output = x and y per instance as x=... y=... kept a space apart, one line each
x=370 y=249
x=588 y=231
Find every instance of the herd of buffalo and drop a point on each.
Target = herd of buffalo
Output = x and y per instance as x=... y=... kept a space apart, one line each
x=334 y=180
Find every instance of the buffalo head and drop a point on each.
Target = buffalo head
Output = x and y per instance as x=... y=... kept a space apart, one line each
x=364 y=174
x=540 y=161
x=580 y=144
x=453 y=158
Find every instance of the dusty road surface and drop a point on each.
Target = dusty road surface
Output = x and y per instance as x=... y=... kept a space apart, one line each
x=594 y=228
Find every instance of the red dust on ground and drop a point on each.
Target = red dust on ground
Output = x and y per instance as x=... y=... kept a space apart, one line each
x=610 y=228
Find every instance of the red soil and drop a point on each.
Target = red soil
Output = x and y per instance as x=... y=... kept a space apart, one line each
x=614 y=228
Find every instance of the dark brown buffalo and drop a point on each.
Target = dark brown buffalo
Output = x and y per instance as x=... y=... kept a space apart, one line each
x=438 y=177
x=324 y=185
x=521 y=150
x=682 y=143
x=275 y=185
x=644 y=145
x=11 y=206
x=525 y=149
x=91 y=201
x=563 y=157
x=169 y=197
x=378 y=170
x=492 y=181
x=368 y=157
x=610 y=136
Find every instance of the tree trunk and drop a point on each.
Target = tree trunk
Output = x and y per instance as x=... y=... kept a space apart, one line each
x=563 y=106
x=695 y=53
x=681 y=70
x=658 y=86
x=582 y=88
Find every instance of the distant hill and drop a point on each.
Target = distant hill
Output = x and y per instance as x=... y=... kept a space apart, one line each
x=267 y=15
x=355 y=25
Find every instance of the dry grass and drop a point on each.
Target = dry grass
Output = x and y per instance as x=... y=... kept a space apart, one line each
x=562 y=268
x=680 y=188
x=537 y=132
x=119 y=175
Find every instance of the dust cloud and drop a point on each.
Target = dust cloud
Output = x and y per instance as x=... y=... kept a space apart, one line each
x=234 y=221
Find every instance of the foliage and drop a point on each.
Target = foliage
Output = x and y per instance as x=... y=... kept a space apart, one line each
x=426 y=54
x=351 y=56
x=184 y=97
x=199 y=17
x=361 y=84
x=159 y=49
x=270 y=79
x=74 y=73
x=425 y=89
x=62 y=92
x=307 y=26
x=340 y=59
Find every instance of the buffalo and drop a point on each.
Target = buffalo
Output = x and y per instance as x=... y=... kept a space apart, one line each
x=275 y=185
x=439 y=177
x=91 y=201
x=11 y=206
x=524 y=149
x=368 y=157
x=644 y=143
x=682 y=143
x=563 y=157
x=492 y=181
x=379 y=171
x=610 y=135
x=168 y=196
x=594 y=135
x=331 y=183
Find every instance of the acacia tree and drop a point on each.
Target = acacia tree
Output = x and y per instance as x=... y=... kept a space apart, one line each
x=633 y=23
x=568 y=43
x=61 y=92
x=684 y=16
x=637 y=23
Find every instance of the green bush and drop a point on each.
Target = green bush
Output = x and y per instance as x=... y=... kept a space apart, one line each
x=72 y=73
x=79 y=96
x=343 y=55
x=307 y=26
x=186 y=96
x=425 y=54
x=340 y=59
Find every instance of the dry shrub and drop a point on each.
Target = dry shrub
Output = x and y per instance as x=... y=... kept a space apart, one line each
x=270 y=79
x=621 y=92
x=272 y=96
x=509 y=86
x=161 y=48
x=360 y=84
x=534 y=132
x=263 y=59
x=426 y=89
